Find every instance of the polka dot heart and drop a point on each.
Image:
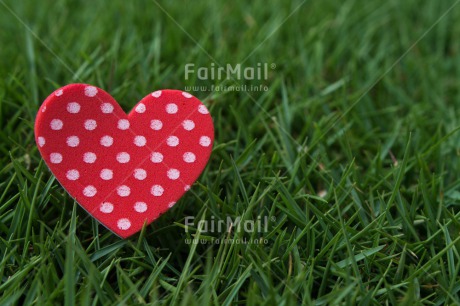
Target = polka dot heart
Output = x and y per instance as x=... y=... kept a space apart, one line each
x=124 y=170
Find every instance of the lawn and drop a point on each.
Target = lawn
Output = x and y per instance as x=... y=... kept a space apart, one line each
x=348 y=156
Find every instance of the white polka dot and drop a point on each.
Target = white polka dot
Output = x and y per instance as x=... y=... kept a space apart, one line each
x=202 y=109
x=172 y=141
x=187 y=187
x=73 y=107
x=171 y=204
x=72 y=175
x=106 y=141
x=156 y=125
x=89 y=157
x=156 y=157
x=90 y=124
x=189 y=157
x=58 y=92
x=55 y=158
x=106 y=174
x=140 y=108
x=205 y=141
x=43 y=109
x=140 y=141
x=140 y=207
x=56 y=124
x=41 y=141
x=156 y=94
x=106 y=207
x=173 y=174
x=73 y=141
x=90 y=91
x=187 y=95
x=171 y=108
x=157 y=190
x=123 y=191
x=188 y=125
x=89 y=191
x=106 y=108
x=140 y=174
x=123 y=157
x=123 y=124
x=124 y=224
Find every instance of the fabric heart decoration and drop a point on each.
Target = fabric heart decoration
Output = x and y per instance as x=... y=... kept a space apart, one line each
x=124 y=170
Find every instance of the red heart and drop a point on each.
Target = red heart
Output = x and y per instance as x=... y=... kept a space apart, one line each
x=125 y=170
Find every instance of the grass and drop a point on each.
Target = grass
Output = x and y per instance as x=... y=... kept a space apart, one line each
x=352 y=153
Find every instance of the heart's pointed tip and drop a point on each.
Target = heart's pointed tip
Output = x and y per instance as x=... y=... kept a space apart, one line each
x=123 y=235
